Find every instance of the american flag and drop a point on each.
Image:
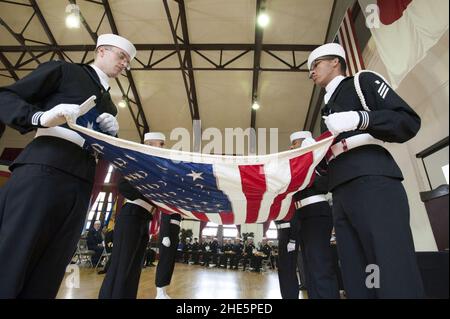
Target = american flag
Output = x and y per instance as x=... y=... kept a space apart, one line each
x=346 y=37
x=212 y=188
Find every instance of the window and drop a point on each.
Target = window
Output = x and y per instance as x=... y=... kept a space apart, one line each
x=230 y=231
x=272 y=231
x=96 y=208
x=210 y=229
x=108 y=175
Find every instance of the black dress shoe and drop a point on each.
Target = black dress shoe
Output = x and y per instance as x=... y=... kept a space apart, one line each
x=101 y=272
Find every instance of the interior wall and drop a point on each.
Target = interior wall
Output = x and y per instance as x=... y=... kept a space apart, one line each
x=426 y=90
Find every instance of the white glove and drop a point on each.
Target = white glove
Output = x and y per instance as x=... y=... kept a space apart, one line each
x=342 y=122
x=166 y=241
x=57 y=115
x=108 y=123
x=291 y=246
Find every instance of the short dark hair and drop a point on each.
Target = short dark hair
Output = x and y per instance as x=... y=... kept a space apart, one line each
x=343 y=64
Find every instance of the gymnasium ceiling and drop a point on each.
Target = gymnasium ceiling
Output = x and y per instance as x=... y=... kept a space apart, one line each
x=196 y=59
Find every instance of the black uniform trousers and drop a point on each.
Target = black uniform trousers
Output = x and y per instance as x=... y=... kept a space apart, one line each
x=316 y=224
x=287 y=266
x=127 y=257
x=48 y=206
x=166 y=264
x=371 y=218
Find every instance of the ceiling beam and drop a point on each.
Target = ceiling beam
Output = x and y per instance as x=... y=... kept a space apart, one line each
x=8 y=66
x=46 y=28
x=169 y=47
x=20 y=38
x=186 y=61
x=260 y=6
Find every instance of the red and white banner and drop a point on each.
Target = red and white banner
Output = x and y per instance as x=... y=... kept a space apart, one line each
x=404 y=31
x=346 y=37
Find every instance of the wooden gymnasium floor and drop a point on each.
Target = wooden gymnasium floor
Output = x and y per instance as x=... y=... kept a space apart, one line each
x=188 y=282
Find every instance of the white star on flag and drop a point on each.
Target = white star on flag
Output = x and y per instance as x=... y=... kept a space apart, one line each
x=195 y=175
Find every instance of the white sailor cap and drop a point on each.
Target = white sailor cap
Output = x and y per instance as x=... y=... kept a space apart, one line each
x=326 y=49
x=154 y=136
x=117 y=41
x=300 y=134
x=250 y=237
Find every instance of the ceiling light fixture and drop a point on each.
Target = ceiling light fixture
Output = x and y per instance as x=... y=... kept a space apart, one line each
x=255 y=105
x=123 y=103
x=263 y=20
x=73 y=16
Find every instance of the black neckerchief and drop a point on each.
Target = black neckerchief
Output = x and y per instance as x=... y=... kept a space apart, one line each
x=327 y=109
x=104 y=104
x=94 y=76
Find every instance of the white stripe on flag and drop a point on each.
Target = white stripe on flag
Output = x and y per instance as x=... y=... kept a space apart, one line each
x=214 y=218
x=187 y=213
x=229 y=181
x=277 y=174
x=164 y=206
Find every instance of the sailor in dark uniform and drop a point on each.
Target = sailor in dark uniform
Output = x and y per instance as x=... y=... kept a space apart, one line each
x=315 y=227
x=370 y=205
x=187 y=250
x=47 y=196
x=247 y=254
x=130 y=238
x=169 y=237
x=196 y=252
x=237 y=249
x=288 y=261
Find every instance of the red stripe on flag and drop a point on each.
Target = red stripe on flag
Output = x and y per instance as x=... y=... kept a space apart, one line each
x=227 y=218
x=254 y=186
x=200 y=216
x=299 y=169
x=323 y=136
x=392 y=10
x=5 y=174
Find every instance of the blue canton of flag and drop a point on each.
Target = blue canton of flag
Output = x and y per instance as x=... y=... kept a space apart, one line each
x=189 y=186
x=88 y=120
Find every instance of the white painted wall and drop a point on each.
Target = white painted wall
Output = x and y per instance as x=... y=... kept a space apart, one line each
x=426 y=90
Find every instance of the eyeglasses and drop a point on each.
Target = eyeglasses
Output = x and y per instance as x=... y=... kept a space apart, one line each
x=317 y=62
x=122 y=57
